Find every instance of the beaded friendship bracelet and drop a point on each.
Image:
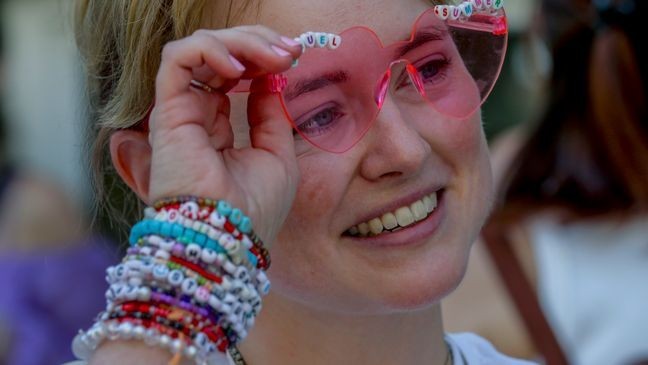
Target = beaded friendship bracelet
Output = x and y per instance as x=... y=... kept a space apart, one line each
x=176 y=212
x=124 y=288
x=191 y=206
x=223 y=244
x=233 y=314
x=200 y=208
x=191 y=282
x=241 y=283
x=202 y=349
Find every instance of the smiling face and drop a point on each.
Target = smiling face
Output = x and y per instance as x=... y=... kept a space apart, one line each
x=410 y=157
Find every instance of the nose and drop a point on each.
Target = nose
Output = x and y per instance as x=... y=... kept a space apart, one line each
x=393 y=147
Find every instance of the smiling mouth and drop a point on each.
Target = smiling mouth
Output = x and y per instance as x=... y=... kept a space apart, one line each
x=402 y=217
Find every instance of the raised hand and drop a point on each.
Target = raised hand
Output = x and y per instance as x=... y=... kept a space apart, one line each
x=191 y=131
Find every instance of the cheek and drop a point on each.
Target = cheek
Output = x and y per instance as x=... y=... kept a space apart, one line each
x=456 y=141
x=460 y=143
x=320 y=190
x=464 y=138
x=306 y=240
x=462 y=146
x=468 y=151
x=471 y=159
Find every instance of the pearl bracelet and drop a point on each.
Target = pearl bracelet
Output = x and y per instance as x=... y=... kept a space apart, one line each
x=202 y=351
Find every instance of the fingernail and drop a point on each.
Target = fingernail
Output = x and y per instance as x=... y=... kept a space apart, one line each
x=280 y=51
x=290 y=42
x=239 y=66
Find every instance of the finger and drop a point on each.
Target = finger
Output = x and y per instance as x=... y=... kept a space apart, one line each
x=219 y=128
x=287 y=43
x=269 y=128
x=181 y=58
x=260 y=53
x=211 y=55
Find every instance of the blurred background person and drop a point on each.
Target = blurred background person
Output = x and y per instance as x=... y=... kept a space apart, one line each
x=574 y=204
x=51 y=266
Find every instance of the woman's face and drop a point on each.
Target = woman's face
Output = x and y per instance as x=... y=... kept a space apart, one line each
x=409 y=153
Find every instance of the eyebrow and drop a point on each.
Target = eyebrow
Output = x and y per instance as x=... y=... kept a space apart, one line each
x=315 y=83
x=420 y=38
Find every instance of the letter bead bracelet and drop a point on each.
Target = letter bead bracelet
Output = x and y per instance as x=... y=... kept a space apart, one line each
x=191 y=282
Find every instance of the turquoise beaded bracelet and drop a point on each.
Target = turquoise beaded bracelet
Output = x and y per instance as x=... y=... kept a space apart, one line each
x=233 y=215
x=181 y=234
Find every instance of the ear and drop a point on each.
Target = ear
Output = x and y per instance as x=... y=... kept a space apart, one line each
x=131 y=155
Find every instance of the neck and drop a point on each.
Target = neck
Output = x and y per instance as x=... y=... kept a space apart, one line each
x=290 y=333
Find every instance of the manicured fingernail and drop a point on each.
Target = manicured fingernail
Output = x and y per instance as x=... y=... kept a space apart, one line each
x=239 y=66
x=280 y=51
x=290 y=42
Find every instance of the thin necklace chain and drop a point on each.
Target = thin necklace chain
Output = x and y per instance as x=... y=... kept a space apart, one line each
x=239 y=360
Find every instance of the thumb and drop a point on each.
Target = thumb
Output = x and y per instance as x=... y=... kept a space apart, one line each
x=270 y=130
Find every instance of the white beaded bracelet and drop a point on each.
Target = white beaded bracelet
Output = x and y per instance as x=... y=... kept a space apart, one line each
x=202 y=351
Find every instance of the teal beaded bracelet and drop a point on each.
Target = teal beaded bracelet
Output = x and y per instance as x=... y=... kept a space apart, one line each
x=183 y=235
x=233 y=215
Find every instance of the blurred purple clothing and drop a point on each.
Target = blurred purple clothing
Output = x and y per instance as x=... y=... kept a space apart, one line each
x=47 y=298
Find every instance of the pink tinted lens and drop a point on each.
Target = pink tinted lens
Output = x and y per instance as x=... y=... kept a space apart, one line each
x=329 y=96
x=333 y=96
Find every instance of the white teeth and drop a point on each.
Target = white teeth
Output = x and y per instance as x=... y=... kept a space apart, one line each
x=389 y=221
x=428 y=204
x=418 y=209
x=394 y=221
x=375 y=226
x=404 y=216
x=363 y=228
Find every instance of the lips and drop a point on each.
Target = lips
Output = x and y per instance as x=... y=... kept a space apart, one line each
x=397 y=219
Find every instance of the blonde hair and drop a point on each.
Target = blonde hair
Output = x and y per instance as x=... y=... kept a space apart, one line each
x=120 y=42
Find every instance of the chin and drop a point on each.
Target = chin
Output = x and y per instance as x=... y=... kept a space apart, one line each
x=422 y=288
x=418 y=285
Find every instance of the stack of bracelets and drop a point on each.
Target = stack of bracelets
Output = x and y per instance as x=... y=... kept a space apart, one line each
x=191 y=282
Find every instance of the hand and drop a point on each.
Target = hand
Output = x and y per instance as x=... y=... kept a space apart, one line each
x=191 y=134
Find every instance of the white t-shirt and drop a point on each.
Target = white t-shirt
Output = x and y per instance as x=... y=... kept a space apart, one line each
x=592 y=287
x=470 y=349
x=467 y=349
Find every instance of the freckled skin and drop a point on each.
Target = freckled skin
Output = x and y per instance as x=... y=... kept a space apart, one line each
x=313 y=263
x=333 y=301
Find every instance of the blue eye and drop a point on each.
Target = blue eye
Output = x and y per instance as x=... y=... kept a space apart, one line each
x=430 y=72
x=432 y=69
x=319 y=122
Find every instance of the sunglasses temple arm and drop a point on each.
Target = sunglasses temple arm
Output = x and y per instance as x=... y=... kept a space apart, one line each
x=494 y=24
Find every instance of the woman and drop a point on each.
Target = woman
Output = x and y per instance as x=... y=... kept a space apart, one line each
x=369 y=222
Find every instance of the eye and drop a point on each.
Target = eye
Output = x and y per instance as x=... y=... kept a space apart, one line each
x=319 y=121
x=430 y=72
x=433 y=69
